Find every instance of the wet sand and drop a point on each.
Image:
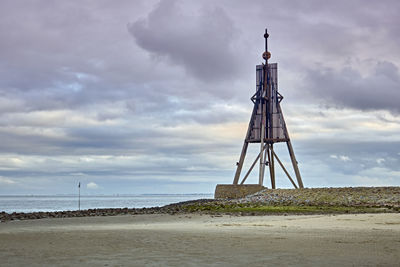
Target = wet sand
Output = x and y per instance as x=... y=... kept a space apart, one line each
x=203 y=240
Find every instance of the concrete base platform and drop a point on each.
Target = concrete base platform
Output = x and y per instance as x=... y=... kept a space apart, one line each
x=236 y=191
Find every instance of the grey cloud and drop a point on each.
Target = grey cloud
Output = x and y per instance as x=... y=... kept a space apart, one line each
x=46 y=49
x=200 y=43
x=348 y=88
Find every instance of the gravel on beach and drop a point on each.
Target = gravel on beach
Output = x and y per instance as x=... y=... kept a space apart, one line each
x=345 y=196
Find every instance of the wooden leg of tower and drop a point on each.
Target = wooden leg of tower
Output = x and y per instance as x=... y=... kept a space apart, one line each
x=284 y=169
x=240 y=164
x=291 y=152
x=251 y=168
x=294 y=163
x=262 y=166
x=262 y=136
x=272 y=167
x=266 y=156
x=269 y=166
x=244 y=148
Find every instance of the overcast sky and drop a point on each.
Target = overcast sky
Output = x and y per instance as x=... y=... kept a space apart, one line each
x=153 y=96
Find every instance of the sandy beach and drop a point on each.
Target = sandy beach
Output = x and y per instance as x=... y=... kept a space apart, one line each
x=203 y=240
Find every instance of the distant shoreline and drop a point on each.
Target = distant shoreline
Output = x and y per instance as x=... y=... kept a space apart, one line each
x=53 y=203
x=278 y=202
x=99 y=195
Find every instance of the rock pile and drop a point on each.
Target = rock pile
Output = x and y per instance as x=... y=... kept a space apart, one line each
x=346 y=196
x=168 y=209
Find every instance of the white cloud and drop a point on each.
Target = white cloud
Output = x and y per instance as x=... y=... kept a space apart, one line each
x=377 y=176
x=92 y=185
x=4 y=180
x=380 y=160
x=344 y=158
x=340 y=157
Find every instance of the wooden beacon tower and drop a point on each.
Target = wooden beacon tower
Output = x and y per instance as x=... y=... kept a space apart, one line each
x=267 y=127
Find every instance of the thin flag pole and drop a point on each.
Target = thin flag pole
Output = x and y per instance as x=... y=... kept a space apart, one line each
x=79 y=196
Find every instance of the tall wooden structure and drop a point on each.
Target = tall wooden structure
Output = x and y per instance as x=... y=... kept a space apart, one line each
x=267 y=125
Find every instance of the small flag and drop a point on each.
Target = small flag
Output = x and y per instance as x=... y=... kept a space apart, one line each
x=79 y=185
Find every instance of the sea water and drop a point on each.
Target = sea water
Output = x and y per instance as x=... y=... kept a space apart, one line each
x=34 y=203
